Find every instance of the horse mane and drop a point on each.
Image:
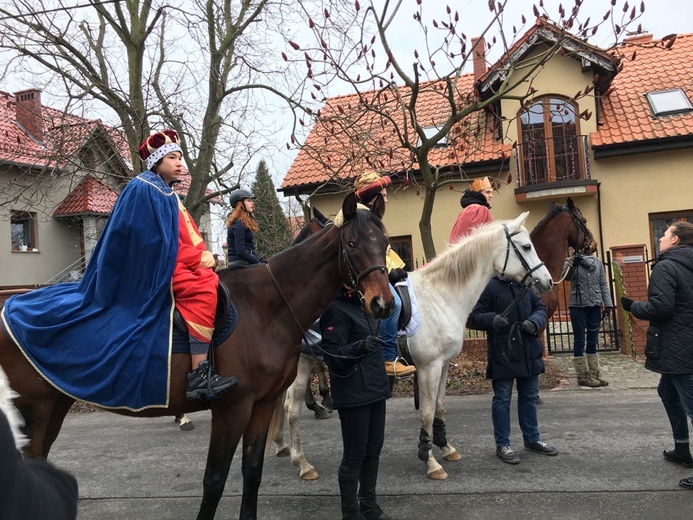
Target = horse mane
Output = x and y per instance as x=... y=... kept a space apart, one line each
x=553 y=211
x=457 y=264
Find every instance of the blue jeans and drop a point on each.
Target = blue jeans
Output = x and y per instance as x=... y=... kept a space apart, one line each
x=586 y=322
x=676 y=393
x=389 y=327
x=527 y=391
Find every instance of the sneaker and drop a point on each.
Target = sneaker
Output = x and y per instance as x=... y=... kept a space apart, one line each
x=205 y=383
x=541 y=447
x=507 y=454
x=686 y=483
x=398 y=369
x=679 y=458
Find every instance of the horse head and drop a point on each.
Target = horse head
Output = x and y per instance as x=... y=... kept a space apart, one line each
x=520 y=261
x=583 y=240
x=363 y=248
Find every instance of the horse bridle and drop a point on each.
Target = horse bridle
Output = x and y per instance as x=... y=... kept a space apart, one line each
x=587 y=237
x=529 y=270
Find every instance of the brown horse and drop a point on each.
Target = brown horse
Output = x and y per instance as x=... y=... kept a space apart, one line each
x=276 y=303
x=561 y=228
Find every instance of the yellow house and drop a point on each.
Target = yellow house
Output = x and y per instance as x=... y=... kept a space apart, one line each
x=622 y=149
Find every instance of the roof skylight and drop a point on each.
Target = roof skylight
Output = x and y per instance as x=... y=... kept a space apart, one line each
x=669 y=102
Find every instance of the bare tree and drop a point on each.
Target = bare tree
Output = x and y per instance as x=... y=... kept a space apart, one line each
x=204 y=68
x=381 y=125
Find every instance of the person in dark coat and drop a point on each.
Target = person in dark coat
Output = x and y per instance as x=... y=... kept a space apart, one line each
x=515 y=353
x=359 y=389
x=242 y=227
x=29 y=489
x=669 y=348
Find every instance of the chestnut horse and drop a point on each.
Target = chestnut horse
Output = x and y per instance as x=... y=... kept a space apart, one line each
x=276 y=303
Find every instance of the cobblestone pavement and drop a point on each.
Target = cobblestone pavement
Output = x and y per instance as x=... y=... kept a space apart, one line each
x=620 y=370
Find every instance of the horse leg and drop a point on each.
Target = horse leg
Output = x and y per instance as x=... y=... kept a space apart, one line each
x=292 y=411
x=280 y=419
x=55 y=422
x=324 y=386
x=227 y=430
x=428 y=378
x=439 y=433
x=254 y=440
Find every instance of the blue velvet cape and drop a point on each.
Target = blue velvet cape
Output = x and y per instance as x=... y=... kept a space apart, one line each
x=107 y=339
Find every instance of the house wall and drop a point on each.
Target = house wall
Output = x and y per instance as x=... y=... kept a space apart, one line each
x=58 y=242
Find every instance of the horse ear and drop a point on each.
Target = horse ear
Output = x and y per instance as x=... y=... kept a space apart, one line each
x=378 y=206
x=319 y=215
x=520 y=221
x=571 y=204
x=349 y=207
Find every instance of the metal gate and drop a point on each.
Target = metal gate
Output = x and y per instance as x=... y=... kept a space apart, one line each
x=559 y=331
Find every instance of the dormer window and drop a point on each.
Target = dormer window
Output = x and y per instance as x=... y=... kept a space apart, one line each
x=669 y=102
x=429 y=132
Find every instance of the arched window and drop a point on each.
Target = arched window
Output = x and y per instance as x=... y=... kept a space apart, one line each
x=551 y=148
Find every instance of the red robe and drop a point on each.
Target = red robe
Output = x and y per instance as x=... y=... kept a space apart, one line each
x=469 y=218
x=194 y=286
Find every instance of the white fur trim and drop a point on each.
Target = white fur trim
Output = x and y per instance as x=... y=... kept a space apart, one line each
x=7 y=407
x=339 y=219
x=161 y=152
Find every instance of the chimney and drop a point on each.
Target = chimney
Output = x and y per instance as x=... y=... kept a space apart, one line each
x=479 y=57
x=638 y=39
x=28 y=112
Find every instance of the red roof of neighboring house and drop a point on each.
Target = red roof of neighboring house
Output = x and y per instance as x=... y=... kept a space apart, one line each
x=90 y=196
x=352 y=139
x=62 y=135
x=626 y=116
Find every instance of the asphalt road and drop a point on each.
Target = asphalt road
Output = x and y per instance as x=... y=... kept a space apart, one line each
x=610 y=465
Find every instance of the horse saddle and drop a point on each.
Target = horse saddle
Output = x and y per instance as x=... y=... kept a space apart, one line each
x=311 y=344
x=221 y=317
x=402 y=290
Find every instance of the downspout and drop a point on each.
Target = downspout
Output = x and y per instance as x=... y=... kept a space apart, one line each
x=599 y=219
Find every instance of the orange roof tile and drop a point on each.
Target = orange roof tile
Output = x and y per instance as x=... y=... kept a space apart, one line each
x=90 y=196
x=626 y=116
x=351 y=138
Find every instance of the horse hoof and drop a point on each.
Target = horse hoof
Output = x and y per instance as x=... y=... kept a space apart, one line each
x=285 y=452
x=322 y=414
x=438 y=474
x=309 y=475
x=455 y=455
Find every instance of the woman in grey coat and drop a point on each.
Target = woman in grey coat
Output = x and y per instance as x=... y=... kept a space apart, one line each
x=590 y=301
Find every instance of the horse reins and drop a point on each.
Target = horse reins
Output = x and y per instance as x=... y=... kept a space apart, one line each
x=587 y=239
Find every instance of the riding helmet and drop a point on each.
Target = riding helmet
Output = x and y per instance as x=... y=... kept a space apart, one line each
x=239 y=195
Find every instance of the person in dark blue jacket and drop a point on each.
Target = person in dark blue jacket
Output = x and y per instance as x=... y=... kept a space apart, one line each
x=359 y=389
x=515 y=353
x=241 y=229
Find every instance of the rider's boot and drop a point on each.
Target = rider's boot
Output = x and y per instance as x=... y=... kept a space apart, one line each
x=348 y=489
x=204 y=382
x=368 y=503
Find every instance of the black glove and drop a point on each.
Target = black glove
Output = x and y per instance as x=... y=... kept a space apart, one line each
x=606 y=312
x=577 y=260
x=528 y=327
x=370 y=344
x=499 y=322
x=626 y=303
x=396 y=275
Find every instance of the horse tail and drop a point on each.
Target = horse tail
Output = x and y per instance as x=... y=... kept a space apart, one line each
x=276 y=422
x=7 y=407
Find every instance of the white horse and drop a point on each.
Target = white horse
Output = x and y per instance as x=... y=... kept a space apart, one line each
x=446 y=291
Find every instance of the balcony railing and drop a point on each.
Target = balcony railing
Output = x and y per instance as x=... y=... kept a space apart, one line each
x=558 y=159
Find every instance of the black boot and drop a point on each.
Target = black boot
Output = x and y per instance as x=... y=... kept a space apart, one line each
x=368 y=503
x=348 y=489
x=204 y=382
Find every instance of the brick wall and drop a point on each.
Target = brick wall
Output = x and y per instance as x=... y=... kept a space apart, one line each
x=631 y=257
